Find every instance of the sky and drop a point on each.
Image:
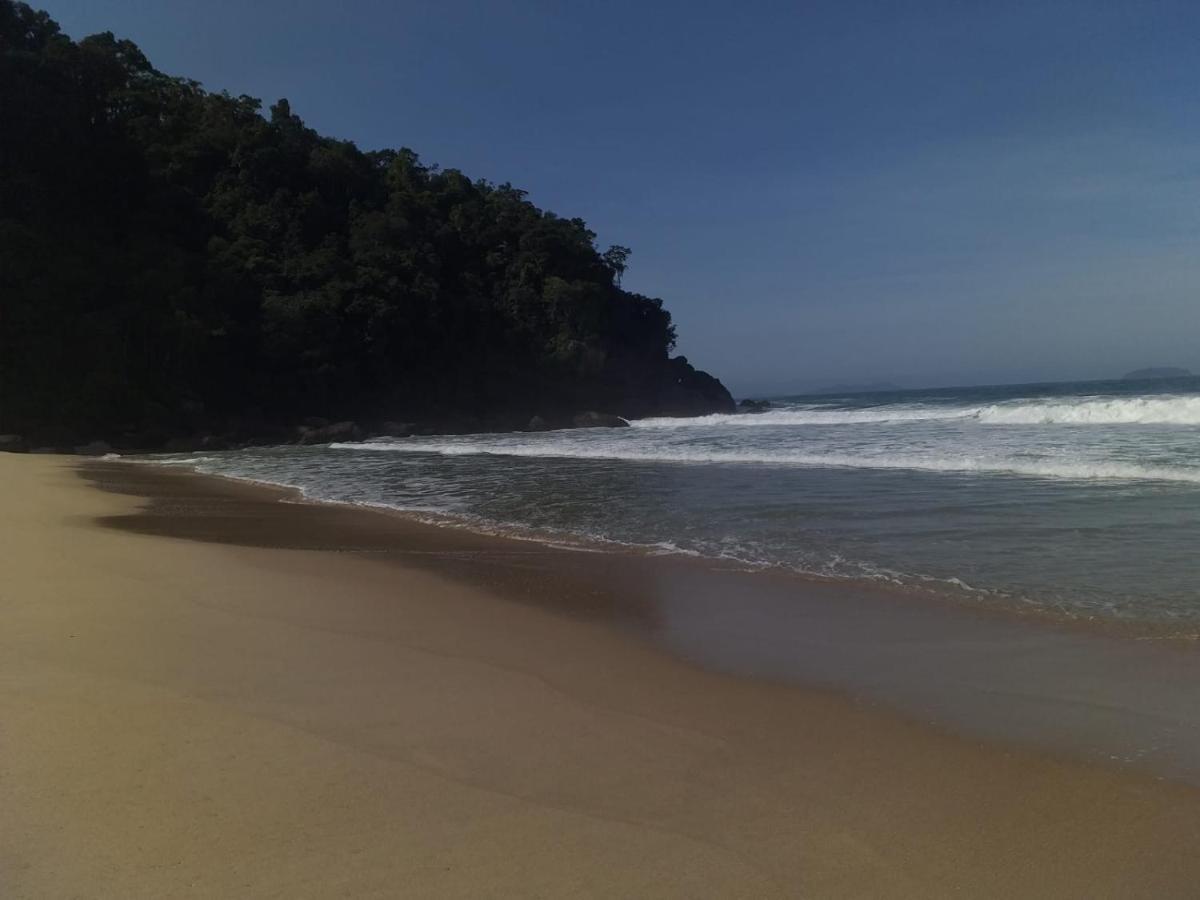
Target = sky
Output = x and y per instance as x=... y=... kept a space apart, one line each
x=927 y=193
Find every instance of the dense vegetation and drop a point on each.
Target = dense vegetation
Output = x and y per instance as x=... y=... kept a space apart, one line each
x=173 y=261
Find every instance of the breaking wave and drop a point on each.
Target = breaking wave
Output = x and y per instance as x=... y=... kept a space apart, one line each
x=1173 y=410
x=1069 y=497
x=1078 y=470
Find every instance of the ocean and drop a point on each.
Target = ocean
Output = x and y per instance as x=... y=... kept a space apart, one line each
x=1078 y=499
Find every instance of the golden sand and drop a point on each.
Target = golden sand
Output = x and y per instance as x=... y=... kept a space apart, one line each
x=181 y=718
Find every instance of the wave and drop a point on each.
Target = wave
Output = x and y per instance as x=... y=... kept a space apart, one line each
x=1097 y=411
x=811 y=416
x=1175 y=410
x=1084 y=470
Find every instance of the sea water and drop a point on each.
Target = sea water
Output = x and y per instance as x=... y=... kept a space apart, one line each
x=1078 y=498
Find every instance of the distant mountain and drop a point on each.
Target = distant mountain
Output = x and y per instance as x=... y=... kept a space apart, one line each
x=1161 y=372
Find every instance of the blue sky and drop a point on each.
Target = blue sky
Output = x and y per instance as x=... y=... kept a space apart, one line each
x=928 y=193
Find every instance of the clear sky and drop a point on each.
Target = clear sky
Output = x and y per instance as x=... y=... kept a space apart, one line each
x=821 y=192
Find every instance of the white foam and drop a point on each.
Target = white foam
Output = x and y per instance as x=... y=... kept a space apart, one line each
x=1044 y=468
x=1173 y=410
x=1167 y=410
x=812 y=416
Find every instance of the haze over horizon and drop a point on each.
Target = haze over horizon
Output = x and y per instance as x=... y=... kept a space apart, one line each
x=847 y=193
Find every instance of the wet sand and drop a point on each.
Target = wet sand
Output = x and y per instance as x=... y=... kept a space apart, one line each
x=1104 y=694
x=206 y=692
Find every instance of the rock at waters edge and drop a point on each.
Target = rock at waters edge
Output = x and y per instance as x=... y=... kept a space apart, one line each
x=592 y=419
x=326 y=434
x=754 y=406
x=94 y=448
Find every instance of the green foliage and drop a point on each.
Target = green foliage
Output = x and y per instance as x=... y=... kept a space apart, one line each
x=171 y=258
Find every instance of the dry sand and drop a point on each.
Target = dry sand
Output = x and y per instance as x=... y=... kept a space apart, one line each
x=182 y=718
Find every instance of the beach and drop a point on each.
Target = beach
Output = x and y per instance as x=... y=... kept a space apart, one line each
x=211 y=690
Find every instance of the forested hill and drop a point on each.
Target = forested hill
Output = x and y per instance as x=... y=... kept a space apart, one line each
x=173 y=261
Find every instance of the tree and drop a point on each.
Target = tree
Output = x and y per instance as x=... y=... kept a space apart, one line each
x=615 y=258
x=173 y=261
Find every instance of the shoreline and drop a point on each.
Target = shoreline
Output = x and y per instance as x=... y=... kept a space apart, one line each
x=1183 y=635
x=1065 y=687
x=216 y=694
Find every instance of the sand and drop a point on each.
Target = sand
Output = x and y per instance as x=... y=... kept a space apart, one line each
x=183 y=715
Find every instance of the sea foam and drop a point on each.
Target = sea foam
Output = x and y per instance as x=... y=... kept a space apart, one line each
x=1174 y=410
x=546 y=449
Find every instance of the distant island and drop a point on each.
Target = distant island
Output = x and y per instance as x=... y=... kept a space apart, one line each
x=178 y=268
x=1161 y=372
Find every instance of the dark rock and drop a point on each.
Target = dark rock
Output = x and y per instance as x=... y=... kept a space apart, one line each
x=683 y=390
x=398 y=429
x=593 y=419
x=213 y=442
x=327 y=434
x=253 y=429
x=94 y=448
x=315 y=422
x=181 y=445
x=754 y=406
x=12 y=443
x=537 y=423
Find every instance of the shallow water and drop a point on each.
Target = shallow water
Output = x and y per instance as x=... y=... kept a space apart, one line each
x=1078 y=498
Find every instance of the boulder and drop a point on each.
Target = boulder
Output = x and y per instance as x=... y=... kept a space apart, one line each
x=754 y=406
x=327 y=434
x=180 y=445
x=592 y=419
x=12 y=443
x=340 y=431
x=398 y=429
x=537 y=423
x=94 y=448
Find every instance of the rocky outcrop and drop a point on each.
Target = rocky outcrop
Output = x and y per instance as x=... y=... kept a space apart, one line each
x=611 y=396
x=683 y=390
x=754 y=406
x=214 y=442
x=13 y=443
x=398 y=429
x=94 y=448
x=327 y=434
x=592 y=419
